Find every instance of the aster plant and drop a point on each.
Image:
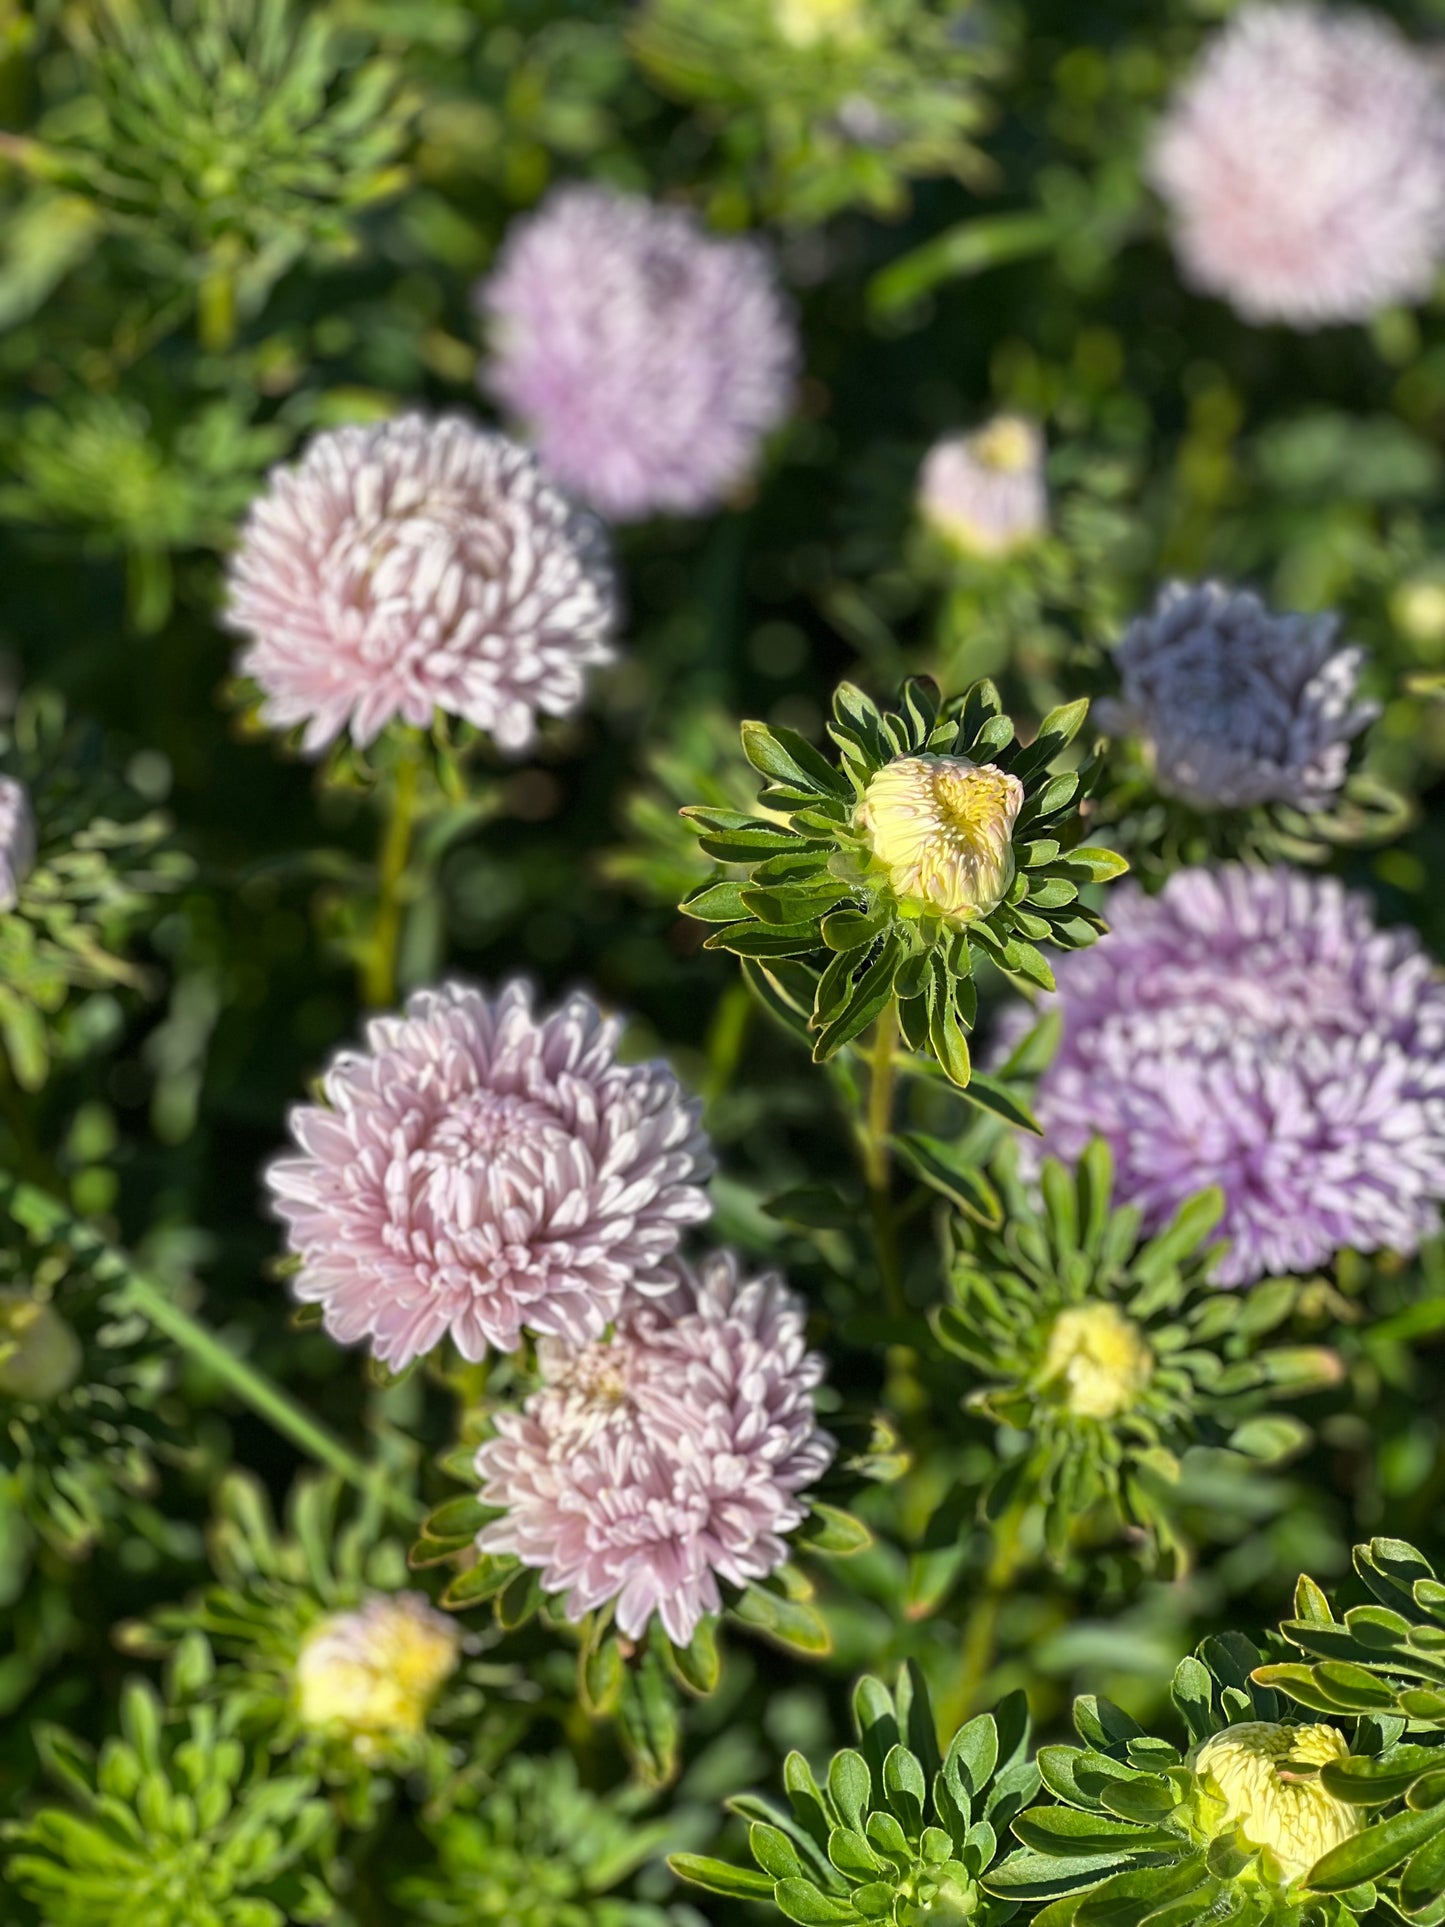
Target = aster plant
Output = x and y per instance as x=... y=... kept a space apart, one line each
x=171 y=1828
x=935 y=836
x=828 y=104
x=645 y=359
x=1107 y=1356
x=896 y=1830
x=1356 y=221
x=1256 y=1028
x=1256 y=1818
x=1247 y=726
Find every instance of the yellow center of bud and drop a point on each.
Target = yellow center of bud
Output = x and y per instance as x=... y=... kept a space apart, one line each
x=942 y=830
x=1098 y=1360
x=1009 y=445
x=1263 y=1774
x=374 y=1673
x=805 y=23
x=40 y=1356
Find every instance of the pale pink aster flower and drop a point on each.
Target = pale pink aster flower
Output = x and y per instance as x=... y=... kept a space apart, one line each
x=17 y=840
x=417 y=566
x=1303 y=161
x=646 y=359
x=479 y=1171
x=665 y=1457
x=984 y=492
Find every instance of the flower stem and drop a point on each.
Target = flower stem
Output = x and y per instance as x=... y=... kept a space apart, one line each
x=980 y=1636
x=43 y=1216
x=378 y=979
x=877 y=1160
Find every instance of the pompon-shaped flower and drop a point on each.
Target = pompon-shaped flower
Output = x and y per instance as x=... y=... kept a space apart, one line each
x=1254 y=1818
x=1107 y=1355
x=935 y=832
x=17 y=841
x=413 y=566
x=665 y=1457
x=1255 y=1030
x=936 y=1819
x=1303 y=162
x=373 y=1670
x=1235 y=706
x=644 y=358
x=478 y=1171
x=983 y=494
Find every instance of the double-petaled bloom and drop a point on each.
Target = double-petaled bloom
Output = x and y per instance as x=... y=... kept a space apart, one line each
x=939 y=829
x=478 y=1171
x=665 y=1457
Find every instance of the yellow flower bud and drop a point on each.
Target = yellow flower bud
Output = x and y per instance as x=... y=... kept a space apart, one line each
x=1098 y=1360
x=1263 y=1776
x=374 y=1673
x=983 y=493
x=40 y=1356
x=941 y=828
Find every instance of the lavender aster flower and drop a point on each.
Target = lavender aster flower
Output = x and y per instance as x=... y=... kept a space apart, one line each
x=984 y=492
x=1237 y=706
x=646 y=360
x=17 y=840
x=1255 y=1030
x=1304 y=164
x=478 y=1171
x=665 y=1457
x=415 y=566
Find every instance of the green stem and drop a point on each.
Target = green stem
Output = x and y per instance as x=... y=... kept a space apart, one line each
x=877 y=1159
x=216 y=311
x=41 y=1215
x=980 y=1638
x=378 y=982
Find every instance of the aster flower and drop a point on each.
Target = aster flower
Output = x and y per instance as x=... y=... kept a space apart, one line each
x=17 y=841
x=477 y=1171
x=935 y=834
x=983 y=494
x=373 y=1671
x=666 y=1457
x=1261 y=1819
x=645 y=359
x=417 y=566
x=1303 y=162
x=1253 y=1029
x=1106 y=1356
x=1238 y=707
x=908 y=1832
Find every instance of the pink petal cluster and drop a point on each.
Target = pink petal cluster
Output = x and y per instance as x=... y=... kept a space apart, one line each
x=479 y=1171
x=1304 y=164
x=646 y=359
x=1255 y=1030
x=417 y=566
x=664 y=1457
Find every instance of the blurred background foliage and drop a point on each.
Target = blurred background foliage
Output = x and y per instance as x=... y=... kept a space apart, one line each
x=224 y=223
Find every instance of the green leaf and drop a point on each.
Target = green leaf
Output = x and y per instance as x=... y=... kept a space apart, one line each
x=765 y=939
x=990 y=1095
x=786 y=757
x=944 y=1169
x=866 y=1002
x=737 y=1883
x=1375 y=1851
x=801 y=1901
x=482 y=1581
x=1067 y=1830
x=828 y=1529
x=716 y=903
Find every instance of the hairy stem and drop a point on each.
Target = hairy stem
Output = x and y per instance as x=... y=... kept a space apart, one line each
x=44 y=1216
x=378 y=979
x=877 y=1158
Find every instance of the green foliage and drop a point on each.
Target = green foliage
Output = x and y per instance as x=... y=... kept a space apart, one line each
x=170 y=1829
x=896 y=1831
x=1108 y=1355
x=536 y=1850
x=811 y=887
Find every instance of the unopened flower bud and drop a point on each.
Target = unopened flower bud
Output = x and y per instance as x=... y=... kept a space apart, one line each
x=17 y=840
x=984 y=493
x=941 y=828
x=373 y=1673
x=1097 y=1360
x=40 y=1356
x=809 y=23
x=1267 y=1778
